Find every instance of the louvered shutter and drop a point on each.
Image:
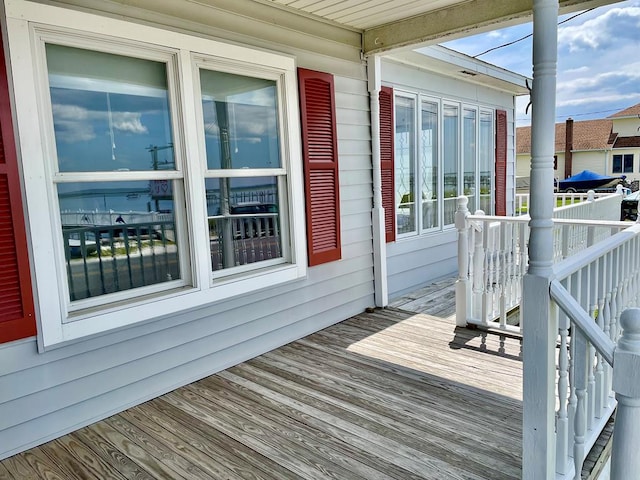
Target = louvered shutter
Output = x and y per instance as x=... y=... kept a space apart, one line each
x=386 y=161
x=17 y=319
x=501 y=162
x=320 y=155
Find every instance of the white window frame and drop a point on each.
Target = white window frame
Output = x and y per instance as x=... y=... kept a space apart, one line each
x=438 y=155
x=27 y=25
x=461 y=105
x=203 y=62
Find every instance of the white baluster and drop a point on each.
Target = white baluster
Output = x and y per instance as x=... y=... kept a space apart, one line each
x=580 y=360
x=562 y=423
x=625 y=461
x=478 y=268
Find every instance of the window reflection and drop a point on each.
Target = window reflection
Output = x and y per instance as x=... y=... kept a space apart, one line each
x=469 y=157
x=451 y=132
x=405 y=175
x=244 y=221
x=114 y=239
x=240 y=121
x=110 y=112
x=429 y=167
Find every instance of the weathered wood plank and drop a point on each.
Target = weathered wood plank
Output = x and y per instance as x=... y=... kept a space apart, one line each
x=57 y=452
x=224 y=394
x=367 y=437
x=108 y=453
x=240 y=460
x=92 y=463
x=4 y=473
x=18 y=468
x=153 y=466
x=301 y=458
x=388 y=394
x=370 y=402
x=192 y=448
x=159 y=450
x=43 y=465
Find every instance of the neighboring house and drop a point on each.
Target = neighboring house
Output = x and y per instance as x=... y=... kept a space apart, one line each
x=609 y=146
x=167 y=156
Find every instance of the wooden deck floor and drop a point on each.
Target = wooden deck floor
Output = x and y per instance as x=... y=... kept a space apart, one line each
x=387 y=394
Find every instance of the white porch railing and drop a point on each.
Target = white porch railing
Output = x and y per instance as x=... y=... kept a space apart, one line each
x=492 y=255
x=589 y=293
x=561 y=199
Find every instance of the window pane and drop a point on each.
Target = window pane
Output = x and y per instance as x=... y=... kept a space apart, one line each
x=469 y=187
x=405 y=165
x=429 y=165
x=240 y=121
x=244 y=221
x=617 y=164
x=486 y=162
x=450 y=136
x=117 y=236
x=628 y=163
x=110 y=112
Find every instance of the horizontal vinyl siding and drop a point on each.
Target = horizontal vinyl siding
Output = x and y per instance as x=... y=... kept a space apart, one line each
x=45 y=395
x=415 y=262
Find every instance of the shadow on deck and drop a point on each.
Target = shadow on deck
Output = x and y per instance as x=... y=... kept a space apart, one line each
x=385 y=394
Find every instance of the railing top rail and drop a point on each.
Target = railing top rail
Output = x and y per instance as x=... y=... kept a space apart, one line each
x=497 y=218
x=595 y=223
x=562 y=221
x=572 y=264
x=115 y=226
x=583 y=321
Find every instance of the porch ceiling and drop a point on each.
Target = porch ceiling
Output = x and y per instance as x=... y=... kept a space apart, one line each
x=388 y=25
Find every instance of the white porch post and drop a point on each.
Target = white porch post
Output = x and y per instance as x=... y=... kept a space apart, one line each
x=462 y=283
x=377 y=213
x=540 y=330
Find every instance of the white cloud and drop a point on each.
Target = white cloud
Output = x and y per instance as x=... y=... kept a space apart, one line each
x=71 y=124
x=128 y=122
x=74 y=124
x=597 y=72
x=610 y=28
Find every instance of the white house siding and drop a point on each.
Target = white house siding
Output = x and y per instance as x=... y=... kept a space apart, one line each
x=413 y=262
x=626 y=127
x=44 y=395
x=595 y=160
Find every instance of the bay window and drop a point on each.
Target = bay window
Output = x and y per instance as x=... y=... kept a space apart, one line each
x=159 y=179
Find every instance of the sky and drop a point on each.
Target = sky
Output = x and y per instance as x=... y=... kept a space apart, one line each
x=598 y=60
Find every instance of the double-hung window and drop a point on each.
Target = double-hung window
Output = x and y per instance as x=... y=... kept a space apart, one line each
x=117 y=180
x=442 y=149
x=160 y=169
x=244 y=174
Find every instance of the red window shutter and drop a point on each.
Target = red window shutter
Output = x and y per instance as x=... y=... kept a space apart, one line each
x=501 y=162
x=386 y=161
x=320 y=156
x=17 y=319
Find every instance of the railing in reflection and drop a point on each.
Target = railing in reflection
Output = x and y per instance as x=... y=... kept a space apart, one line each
x=254 y=238
x=102 y=259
